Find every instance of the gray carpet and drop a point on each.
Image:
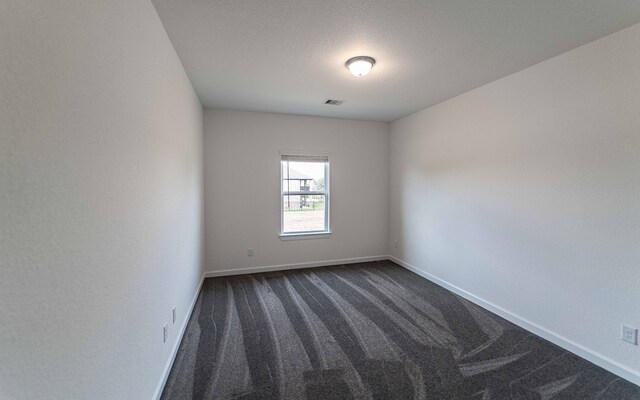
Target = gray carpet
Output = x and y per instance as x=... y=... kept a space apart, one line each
x=367 y=331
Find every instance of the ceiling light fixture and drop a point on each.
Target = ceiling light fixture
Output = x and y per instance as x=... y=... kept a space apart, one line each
x=361 y=65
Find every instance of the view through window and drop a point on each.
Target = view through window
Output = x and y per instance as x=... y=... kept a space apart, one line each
x=305 y=205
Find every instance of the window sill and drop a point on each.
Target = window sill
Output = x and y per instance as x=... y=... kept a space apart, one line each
x=304 y=236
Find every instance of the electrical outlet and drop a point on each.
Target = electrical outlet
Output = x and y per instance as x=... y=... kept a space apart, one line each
x=395 y=245
x=250 y=252
x=165 y=333
x=630 y=334
x=173 y=314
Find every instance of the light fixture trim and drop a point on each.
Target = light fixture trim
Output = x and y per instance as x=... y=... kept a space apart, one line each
x=360 y=66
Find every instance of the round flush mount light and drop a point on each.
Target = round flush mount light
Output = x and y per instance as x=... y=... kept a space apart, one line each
x=361 y=65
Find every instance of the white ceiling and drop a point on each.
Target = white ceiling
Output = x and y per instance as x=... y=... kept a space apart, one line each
x=287 y=56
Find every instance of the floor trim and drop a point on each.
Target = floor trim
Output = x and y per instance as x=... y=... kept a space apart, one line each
x=283 y=267
x=567 y=344
x=176 y=345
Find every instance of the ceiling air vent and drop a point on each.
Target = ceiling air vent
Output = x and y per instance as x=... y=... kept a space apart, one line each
x=333 y=102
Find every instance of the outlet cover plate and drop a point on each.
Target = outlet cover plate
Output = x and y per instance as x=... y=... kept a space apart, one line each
x=630 y=334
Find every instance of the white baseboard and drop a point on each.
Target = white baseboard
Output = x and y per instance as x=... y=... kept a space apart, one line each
x=176 y=345
x=567 y=344
x=282 y=267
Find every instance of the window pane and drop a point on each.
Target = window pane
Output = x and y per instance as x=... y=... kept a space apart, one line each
x=303 y=213
x=302 y=176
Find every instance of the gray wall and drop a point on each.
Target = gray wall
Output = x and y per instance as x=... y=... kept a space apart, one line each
x=101 y=200
x=242 y=187
x=525 y=193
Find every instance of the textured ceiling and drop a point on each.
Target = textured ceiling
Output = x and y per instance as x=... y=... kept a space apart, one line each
x=287 y=56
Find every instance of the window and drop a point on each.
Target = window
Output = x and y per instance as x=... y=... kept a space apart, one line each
x=304 y=195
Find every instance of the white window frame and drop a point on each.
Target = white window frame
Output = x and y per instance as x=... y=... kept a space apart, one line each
x=319 y=234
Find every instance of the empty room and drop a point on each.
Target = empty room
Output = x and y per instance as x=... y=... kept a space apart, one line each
x=319 y=199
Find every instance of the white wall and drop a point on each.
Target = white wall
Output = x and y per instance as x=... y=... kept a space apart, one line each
x=100 y=198
x=242 y=187
x=525 y=192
